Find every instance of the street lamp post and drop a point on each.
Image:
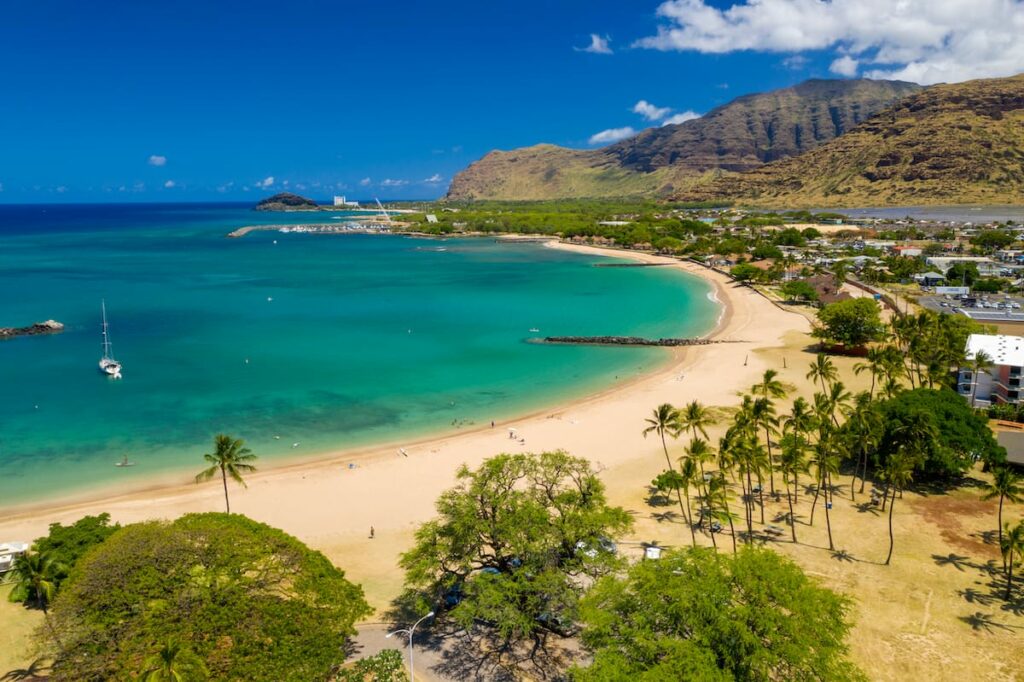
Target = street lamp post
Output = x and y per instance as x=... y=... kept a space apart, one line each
x=410 y=633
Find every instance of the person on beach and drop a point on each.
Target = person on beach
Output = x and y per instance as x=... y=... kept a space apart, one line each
x=371 y=532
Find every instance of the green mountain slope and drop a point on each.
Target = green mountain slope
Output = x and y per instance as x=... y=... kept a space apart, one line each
x=739 y=136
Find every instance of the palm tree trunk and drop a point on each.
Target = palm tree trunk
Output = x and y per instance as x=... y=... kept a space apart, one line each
x=864 y=472
x=814 y=504
x=1009 y=579
x=224 y=477
x=771 y=466
x=792 y=516
x=668 y=461
x=689 y=521
x=891 y=541
x=1000 y=526
x=748 y=499
x=828 y=518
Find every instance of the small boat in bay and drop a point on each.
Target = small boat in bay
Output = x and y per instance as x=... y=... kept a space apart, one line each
x=108 y=365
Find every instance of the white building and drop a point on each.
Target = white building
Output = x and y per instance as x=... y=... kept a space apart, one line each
x=1000 y=383
x=986 y=266
x=342 y=201
x=9 y=551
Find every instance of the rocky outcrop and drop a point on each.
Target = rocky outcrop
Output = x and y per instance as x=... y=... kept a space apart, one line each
x=48 y=327
x=286 y=201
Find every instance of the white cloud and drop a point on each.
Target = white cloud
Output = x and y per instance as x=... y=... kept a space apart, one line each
x=432 y=180
x=61 y=189
x=925 y=41
x=169 y=184
x=226 y=186
x=795 y=62
x=389 y=182
x=681 y=117
x=844 y=66
x=365 y=182
x=266 y=182
x=598 y=45
x=649 y=111
x=139 y=187
x=157 y=160
x=611 y=135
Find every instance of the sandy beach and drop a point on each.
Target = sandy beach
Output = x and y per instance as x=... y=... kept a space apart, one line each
x=332 y=502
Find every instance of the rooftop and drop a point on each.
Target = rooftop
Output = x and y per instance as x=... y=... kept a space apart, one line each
x=1002 y=349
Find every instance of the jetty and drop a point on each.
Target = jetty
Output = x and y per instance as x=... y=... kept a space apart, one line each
x=626 y=341
x=48 y=327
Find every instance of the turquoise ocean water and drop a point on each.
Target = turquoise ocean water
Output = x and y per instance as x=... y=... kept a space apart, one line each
x=327 y=341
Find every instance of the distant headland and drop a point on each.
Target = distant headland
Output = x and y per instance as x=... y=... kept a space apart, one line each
x=286 y=201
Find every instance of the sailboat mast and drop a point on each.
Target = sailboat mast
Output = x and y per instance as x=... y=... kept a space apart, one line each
x=106 y=334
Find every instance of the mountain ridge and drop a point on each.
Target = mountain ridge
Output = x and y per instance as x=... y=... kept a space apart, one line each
x=740 y=135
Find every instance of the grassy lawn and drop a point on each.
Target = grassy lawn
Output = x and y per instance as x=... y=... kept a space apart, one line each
x=16 y=627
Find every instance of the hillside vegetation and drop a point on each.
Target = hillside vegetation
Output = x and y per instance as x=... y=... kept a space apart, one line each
x=949 y=144
x=739 y=136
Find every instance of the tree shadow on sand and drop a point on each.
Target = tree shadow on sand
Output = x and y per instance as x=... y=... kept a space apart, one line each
x=482 y=654
x=37 y=670
x=983 y=622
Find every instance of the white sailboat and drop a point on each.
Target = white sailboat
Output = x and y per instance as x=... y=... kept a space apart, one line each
x=108 y=365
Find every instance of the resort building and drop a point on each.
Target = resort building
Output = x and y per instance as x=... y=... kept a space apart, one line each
x=1001 y=381
x=343 y=201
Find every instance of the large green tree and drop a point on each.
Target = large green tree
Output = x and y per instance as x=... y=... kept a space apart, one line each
x=250 y=601
x=697 y=615
x=962 y=435
x=850 y=323
x=514 y=542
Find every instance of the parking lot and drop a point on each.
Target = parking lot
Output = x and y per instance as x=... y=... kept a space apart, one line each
x=981 y=307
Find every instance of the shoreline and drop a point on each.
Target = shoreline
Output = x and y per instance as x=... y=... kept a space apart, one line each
x=306 y=497
x=170 y=481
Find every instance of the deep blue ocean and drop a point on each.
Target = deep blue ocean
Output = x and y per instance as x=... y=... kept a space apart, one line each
x=327 y=341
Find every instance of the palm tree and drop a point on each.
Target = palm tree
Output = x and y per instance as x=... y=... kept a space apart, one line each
x=825 y=464
x=231 y=458
x=769 y=386
x=1011 y=545
x=862 y=432
x=35 y=575
x=1006 y=485
x=981 y=362
x=699 y=451
x=823 y=370
x=695 y=418
x=800 y=422
x=665 y=419
x=718 y=501
x=763 y=415
x=899 y=472
x=791 y=463
x=174 y=663
x=875 y=364
x=688 y=474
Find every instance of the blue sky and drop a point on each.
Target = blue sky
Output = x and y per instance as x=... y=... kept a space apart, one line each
x=161 y=101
